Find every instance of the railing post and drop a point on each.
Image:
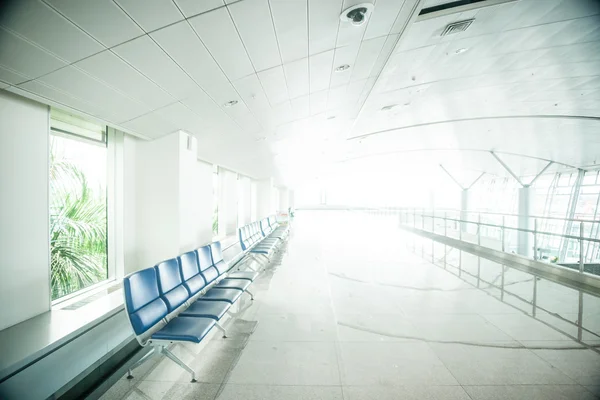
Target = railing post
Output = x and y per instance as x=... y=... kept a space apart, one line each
x=534 y=302
x=581 y=261
x=535 y=246
x=479 y=244
x=503 y=233
x=445 y=235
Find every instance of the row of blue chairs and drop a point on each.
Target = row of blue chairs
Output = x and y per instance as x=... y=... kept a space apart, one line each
x=183 y=298
x=262 y=238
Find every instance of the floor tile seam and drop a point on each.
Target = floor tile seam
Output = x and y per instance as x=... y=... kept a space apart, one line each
x=338 y=353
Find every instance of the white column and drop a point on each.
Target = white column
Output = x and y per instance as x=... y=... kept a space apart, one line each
x=227 y=202
x=524 y=239
x=464 y=208
x=246 y=193
x=292 y=199
x=264 y=198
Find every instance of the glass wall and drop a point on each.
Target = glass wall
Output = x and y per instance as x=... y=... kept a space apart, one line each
x=78 y=204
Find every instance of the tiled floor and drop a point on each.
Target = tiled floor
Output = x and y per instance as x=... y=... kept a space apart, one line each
x=349 y=312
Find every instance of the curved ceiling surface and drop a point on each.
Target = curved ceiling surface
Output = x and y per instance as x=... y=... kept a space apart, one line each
x=522 y=80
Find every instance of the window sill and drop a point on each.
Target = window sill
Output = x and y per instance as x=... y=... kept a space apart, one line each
x=29 y=341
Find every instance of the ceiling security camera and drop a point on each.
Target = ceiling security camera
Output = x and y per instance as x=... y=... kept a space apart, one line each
x=358 y=14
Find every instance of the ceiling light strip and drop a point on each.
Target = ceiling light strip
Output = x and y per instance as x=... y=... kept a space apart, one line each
x=457 y=7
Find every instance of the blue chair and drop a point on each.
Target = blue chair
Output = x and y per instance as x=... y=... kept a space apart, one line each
x=148 y=314
x=249 y=240
x=223 y=267
x=210 y=274
x=176 y=294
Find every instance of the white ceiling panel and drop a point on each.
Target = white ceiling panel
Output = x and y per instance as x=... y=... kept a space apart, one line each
x=244 y=118
x=11 y=77
x=404 y=15
x=37 y=22
x=386 y=51
x=320 y=70
x=318 y=102
x=102 y=19
x=210 y=113
x=195 y=7
x=151 y=14
x=301 y=106
x=22 y=56
x=296 y=75
x=274 y=85
x=62 y=97
x=383 y=18
x=145 y=56
x=291 y=25
x=255 y=25
x=344 y=56
x=109 y=68
x=323 y=20
x=367 y=56
x=251 y=91
x=181 y=117
x=183 y=45
x=217 y=31
x=151 y=125
x=79 y=84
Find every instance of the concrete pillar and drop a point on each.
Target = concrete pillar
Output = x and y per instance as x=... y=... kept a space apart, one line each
x=264 y=198
x=464 y=208
x=228 y=194
x=525 y=239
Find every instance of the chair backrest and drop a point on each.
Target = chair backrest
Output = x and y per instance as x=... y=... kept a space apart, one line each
x=272 y=222
x=144 y=306
x=170 y=284
x=265 y=227
x=244 y=240
x=207 y=269
x=190 y=272
x=217 y=258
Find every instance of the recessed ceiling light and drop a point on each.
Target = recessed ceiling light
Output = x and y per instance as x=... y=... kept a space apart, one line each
x=331 y=117
x=230 y=103
x=461 y=50
x=388 y=107
x=342 y=68
x=260 y=139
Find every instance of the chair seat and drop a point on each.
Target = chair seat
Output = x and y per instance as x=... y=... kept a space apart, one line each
x=187 y=329
x=251 y=276
x=239 y=284
x=207 y=309
x=261 y=250
x=221 y=294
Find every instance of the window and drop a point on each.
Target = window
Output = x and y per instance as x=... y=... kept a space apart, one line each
x=78 y=204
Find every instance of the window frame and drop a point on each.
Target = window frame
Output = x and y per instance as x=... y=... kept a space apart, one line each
x=110 y=143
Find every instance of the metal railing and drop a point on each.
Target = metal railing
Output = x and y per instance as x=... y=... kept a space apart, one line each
x=528 y=237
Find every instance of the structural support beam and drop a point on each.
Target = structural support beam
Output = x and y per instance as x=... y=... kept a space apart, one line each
x=540 y=173
x=507 y=168
x=476 y=180
x=451 y=177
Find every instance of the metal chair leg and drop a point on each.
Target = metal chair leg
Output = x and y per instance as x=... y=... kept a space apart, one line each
x=140 y=362
x=219 y=327
x=250 y=294
x=177 y=361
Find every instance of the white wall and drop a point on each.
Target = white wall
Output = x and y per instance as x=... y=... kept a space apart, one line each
x=24 y=205
x=246 y=194
x=157 y=200
x=188 y=192
x=204 y=202
x=228 y=194
x=284 y=200
x=265 y=198
x=129 y=205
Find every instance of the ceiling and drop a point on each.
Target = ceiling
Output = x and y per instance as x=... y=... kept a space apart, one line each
x=522 y=80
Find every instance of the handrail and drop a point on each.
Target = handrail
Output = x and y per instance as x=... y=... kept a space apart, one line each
x=510 y=227
x=593 y=221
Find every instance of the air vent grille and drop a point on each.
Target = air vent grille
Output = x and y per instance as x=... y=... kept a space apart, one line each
x=457 y=27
